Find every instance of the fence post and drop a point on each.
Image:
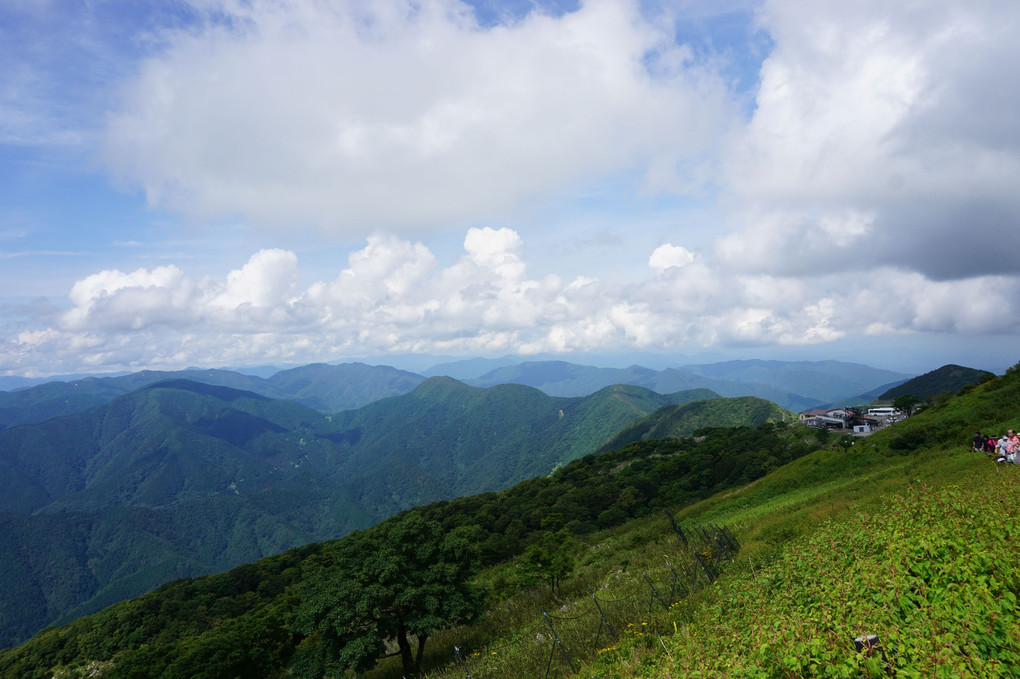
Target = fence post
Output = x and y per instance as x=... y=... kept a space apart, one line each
x=868 y=645
x=704 y=566
x=676 y=527
x=676 y=581
x=603 y=621
x=728 y=538
x=733 y=538
x=456 y=652
x=655 y=595
x=556 y=642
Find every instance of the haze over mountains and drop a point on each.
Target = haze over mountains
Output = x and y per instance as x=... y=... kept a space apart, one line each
x=793 y=385
x=330 y=388
x=110 y=486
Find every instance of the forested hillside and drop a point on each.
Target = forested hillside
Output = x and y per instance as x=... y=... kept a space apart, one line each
x=683 y=420
x=182 y=478
x=240 y=623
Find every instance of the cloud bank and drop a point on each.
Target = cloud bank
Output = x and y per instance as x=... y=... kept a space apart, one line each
x=394 y=296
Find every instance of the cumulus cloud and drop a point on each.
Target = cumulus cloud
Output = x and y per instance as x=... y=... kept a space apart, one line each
x=395 y=296
x=116 y=300
x=881 y=137
x=668 y=256
x=869 y=190
x=404 y=114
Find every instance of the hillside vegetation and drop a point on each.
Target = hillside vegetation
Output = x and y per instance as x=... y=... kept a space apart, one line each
x=683 y=420
x=906 y=535
x=240 y=620
x=182 y=478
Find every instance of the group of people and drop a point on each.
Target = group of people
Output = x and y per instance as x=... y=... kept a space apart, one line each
x=1006 y=448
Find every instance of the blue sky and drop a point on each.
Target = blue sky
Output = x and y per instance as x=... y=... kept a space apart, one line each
x=218 y=182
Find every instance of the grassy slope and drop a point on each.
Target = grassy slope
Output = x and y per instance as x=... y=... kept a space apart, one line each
x=918 y=546
x=908 y=536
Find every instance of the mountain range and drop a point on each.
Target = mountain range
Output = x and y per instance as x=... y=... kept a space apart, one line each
x=110 y=486
x=793 y=385
x=321 y=386
x=330 y=388
x=180 y=478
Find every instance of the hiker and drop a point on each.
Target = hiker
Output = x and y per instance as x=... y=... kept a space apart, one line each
x=990 y=445
x=1013 y=447
x=978 y=442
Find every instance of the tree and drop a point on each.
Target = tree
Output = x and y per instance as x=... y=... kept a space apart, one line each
x=403 y=579
x=906 y=403
x=549 y=560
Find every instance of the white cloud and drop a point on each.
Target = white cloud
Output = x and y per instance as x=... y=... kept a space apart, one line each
x=669 y=256
x=404 y=114
x=396 y=297
x=880 y=138
x=268 y=278
x=116 y=300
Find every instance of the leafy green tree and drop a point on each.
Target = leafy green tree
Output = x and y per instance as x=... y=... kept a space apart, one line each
x=405 y=578
x=906 y=403
x=549 y=560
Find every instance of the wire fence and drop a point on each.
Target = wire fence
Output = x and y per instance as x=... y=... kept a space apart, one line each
x=560 y=640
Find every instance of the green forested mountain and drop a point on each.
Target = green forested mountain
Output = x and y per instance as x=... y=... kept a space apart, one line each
x=680 y=421
x=181 y=478
x=330 y=388
x=245 y=622
x=325 y=387
x=949 y=378
x=482 y=439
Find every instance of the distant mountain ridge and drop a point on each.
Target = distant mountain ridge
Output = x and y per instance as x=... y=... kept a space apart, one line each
x=793 y=385
x=325 y=387
x=331 y=388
